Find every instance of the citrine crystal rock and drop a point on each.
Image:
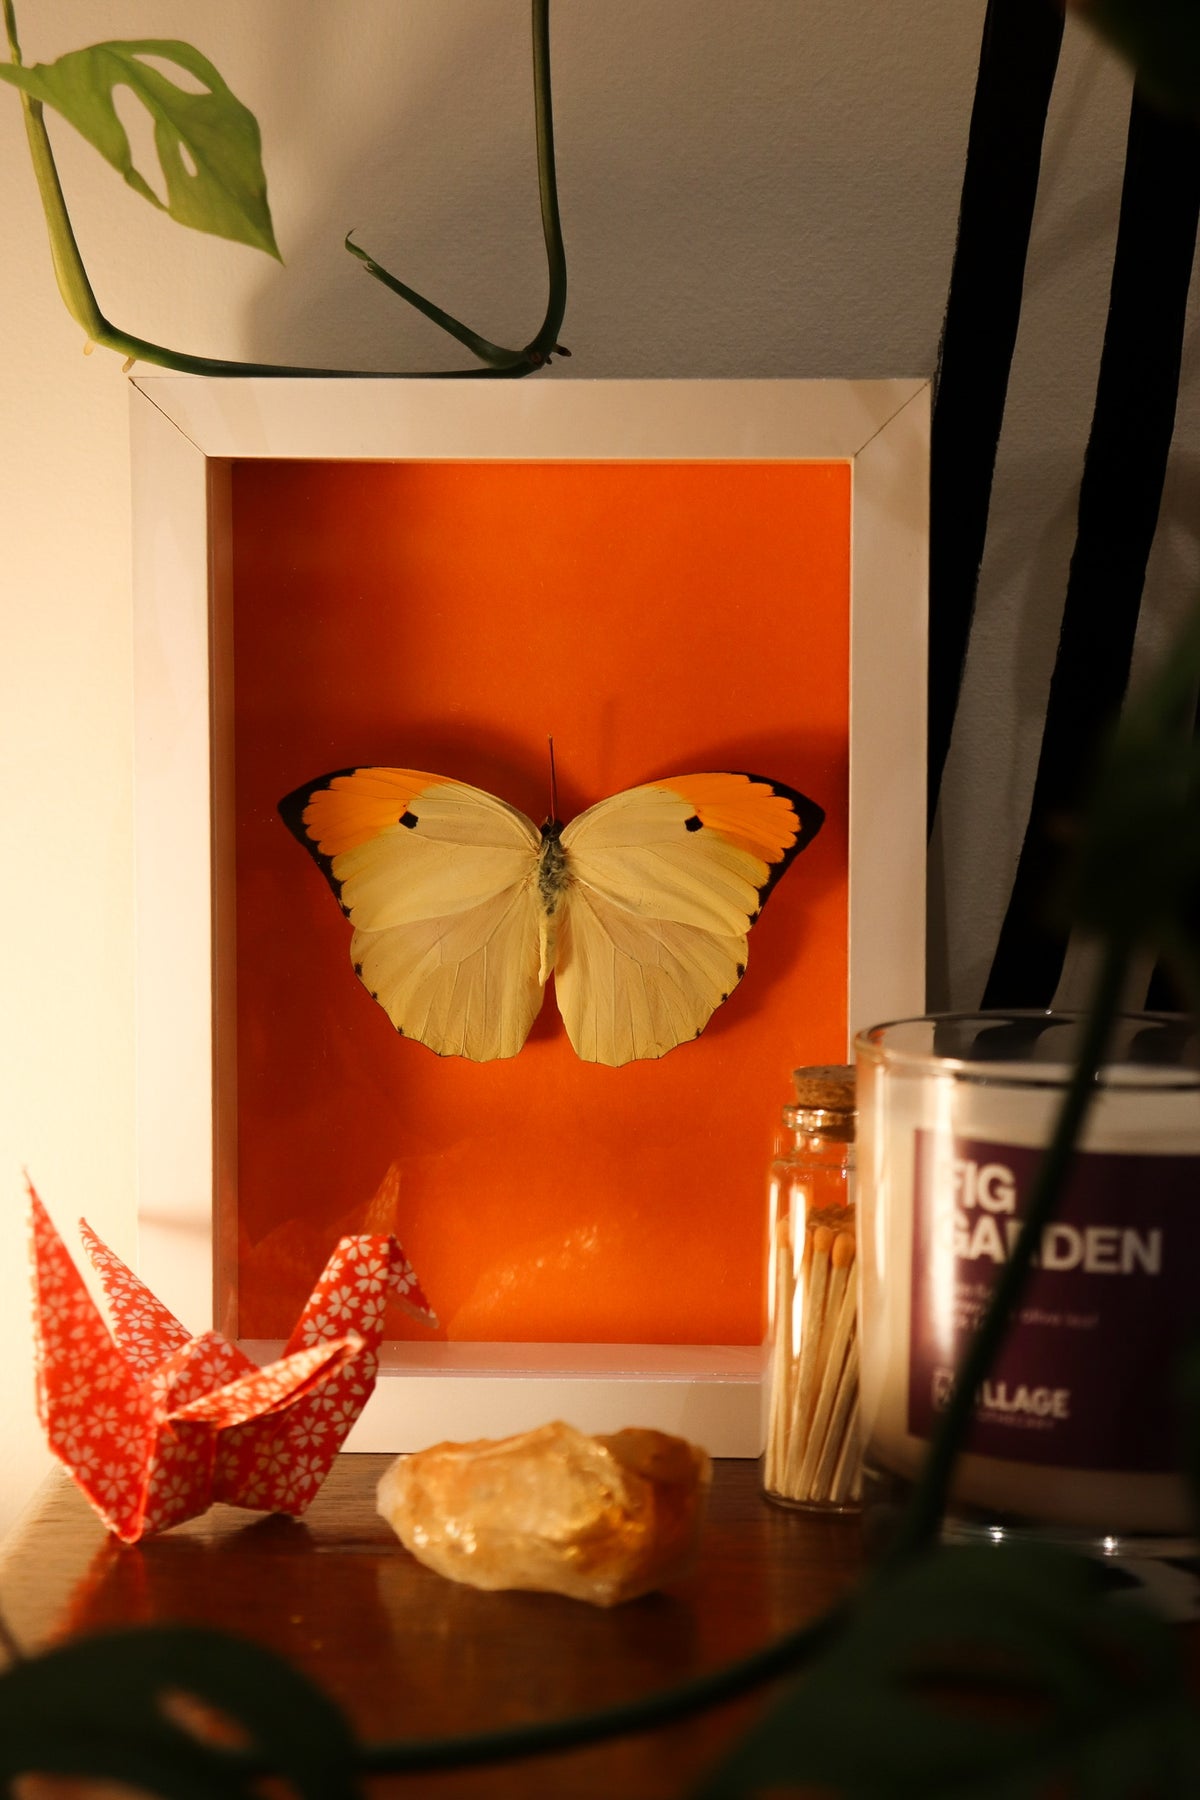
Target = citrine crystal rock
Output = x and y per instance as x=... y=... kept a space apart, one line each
x=597 y=1518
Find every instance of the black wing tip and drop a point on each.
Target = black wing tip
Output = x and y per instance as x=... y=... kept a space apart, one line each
x=291 y=807
x=291 y=810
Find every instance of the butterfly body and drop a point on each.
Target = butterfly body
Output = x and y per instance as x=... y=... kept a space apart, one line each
x=462 y=908
x=552 y=879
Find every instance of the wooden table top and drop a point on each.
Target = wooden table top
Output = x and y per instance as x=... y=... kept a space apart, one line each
x=406 y=1653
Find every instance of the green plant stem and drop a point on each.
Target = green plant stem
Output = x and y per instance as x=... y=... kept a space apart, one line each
x=540 y=347
x=923 y=1514
x=780 y=1657
x=546 y=339
x=80 y=299
x=926 y=1505
x=10 y=28
x=76 y=289
x=788 y=1653
x=543 y=1737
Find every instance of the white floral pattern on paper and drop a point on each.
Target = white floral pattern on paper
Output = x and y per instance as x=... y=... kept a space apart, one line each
x=371 y=1275
x=142 y=1325
x=153 y=1424
x=319 y=1326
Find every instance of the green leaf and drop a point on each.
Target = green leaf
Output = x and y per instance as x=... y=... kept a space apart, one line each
x=118 y=1707
x=208 y=144
x=1136 y=869
x=986 y=1672
x=1161 y=38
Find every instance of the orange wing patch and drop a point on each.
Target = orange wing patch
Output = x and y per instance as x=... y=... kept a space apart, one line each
x=747 y=813
x=356 y=807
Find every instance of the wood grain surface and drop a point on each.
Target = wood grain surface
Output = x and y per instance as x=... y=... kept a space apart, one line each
x=406 y=1653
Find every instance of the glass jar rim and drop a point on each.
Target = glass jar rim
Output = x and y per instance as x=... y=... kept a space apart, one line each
x=1036 y=1047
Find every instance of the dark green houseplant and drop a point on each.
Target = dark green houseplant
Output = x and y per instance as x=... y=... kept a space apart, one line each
x=1096 y=1697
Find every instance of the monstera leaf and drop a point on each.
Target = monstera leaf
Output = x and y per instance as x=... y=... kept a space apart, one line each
x=179 y=1712
x=982 y=1672
x=208 y=143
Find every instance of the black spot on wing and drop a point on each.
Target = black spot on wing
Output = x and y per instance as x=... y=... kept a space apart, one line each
x=407 y=819
x=695 y=823
x=739 y=971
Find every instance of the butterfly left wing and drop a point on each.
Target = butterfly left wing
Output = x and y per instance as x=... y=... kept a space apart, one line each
x=439 y=880
x=665 y=881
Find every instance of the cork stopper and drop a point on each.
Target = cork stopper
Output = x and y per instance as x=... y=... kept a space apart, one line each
x=828 y=1087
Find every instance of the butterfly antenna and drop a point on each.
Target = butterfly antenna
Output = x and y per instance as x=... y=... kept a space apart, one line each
x=553 y=780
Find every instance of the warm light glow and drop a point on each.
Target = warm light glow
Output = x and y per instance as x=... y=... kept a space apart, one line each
x=942 y=1275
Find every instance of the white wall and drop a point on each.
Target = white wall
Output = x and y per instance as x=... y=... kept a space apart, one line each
x=749 y=187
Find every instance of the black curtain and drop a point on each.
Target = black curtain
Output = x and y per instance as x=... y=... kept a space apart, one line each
x=1126 y=456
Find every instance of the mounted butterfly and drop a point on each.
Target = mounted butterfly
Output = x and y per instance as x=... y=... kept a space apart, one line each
x=461 y=907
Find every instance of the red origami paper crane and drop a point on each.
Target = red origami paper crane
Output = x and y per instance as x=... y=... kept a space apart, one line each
x=154 y=1424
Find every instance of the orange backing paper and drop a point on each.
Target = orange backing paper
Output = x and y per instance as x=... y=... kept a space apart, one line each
x=658 y=619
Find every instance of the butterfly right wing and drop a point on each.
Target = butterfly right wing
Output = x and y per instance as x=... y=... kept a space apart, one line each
x=439 y=881
x=665 y=882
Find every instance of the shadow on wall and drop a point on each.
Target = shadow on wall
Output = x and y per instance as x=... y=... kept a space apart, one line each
x=735 y=194
x=762 y=191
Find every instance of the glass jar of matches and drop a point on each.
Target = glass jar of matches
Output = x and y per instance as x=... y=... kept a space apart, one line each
x=813 y=1459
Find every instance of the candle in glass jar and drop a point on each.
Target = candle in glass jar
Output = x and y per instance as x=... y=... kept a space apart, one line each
x=1073 y=1431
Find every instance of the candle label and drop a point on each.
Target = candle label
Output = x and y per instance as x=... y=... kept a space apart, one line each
x=1084 y=1378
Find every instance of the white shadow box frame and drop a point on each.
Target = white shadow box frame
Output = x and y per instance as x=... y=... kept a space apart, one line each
x=186 y=436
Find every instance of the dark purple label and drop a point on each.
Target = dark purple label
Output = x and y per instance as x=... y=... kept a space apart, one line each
x=1084 y=1378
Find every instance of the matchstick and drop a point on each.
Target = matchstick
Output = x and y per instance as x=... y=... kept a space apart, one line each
x=813 y=1454
x=841 y=1278
x=807 y=1485
x=781 y=1357
x=811 y=1323
x=849 y=1463
x=847 y=1395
